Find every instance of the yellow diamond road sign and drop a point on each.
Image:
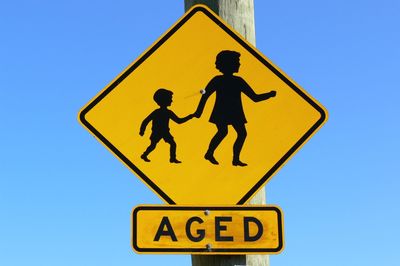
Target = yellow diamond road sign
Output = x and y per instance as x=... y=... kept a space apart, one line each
x=202 y=117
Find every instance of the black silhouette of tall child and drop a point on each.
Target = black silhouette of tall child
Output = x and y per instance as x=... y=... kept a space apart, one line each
x=228 y=108
x=160 y=124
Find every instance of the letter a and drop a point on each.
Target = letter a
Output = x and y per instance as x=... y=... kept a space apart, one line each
x=168 y=232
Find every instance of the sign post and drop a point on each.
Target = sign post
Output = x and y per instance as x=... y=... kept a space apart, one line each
x=240 y=15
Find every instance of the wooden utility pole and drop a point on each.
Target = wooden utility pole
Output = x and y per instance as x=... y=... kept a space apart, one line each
x=240 y=15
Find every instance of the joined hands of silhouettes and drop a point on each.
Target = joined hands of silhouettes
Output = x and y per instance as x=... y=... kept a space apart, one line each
x=227 y=110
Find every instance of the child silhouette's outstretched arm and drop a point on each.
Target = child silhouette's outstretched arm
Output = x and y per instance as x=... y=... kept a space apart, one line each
x=263 y=96
x=179 y=120
x=254 y=96
x=144 y=124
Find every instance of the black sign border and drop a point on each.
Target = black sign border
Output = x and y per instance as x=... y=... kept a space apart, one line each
x=147 y=180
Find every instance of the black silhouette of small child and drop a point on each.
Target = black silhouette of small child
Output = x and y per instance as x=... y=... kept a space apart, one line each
x=160 y=124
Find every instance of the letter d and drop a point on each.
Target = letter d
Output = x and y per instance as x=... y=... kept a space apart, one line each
x=247 y=236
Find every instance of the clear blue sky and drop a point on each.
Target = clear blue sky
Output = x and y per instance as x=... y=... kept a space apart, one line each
x=65 y=200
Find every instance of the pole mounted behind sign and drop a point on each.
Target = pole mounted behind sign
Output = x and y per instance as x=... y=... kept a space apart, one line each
x=240 y=15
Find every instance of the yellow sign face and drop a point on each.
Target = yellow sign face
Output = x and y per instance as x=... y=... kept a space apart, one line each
x=236 y=229
x=202 y=117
